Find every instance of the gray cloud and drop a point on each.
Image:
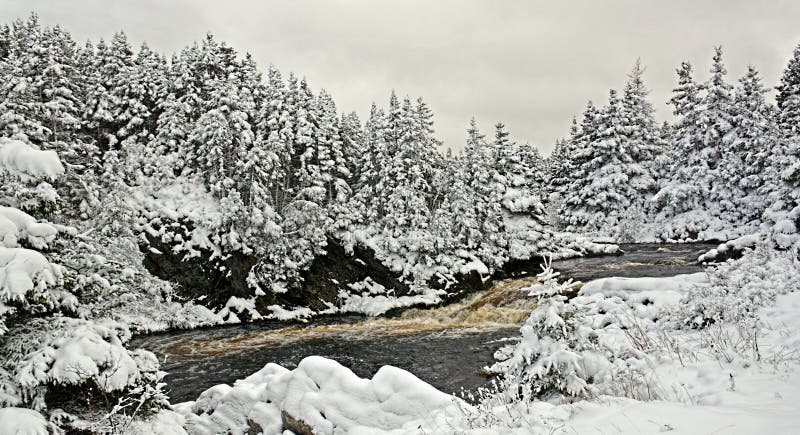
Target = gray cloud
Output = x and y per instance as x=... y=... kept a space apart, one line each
x=531 y=64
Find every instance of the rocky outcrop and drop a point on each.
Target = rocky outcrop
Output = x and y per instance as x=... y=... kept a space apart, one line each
x=297 y=426
x=213 y=282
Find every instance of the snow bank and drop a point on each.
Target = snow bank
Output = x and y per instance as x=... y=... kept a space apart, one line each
x=27 y=163
x=373 y=299
x=325 y=396
x=577 y=245
x=647 y=291
x=735 y=245
x=616 y=286
x=21 y=421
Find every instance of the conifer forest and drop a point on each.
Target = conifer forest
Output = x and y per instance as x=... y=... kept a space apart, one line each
x=200 y=243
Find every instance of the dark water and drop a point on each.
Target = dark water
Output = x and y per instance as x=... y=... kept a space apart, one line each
x=446 y=357
x=644 y=259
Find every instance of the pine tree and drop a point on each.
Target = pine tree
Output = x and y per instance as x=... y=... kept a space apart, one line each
x=373 y=152
x=642 y=136
x=749 y=165
x=613 y=163
x=110 y=106
x=20 y=91
x=222 y=137
x=782 y=219
x=480 y=227
x=682 y=192
x=717 y=121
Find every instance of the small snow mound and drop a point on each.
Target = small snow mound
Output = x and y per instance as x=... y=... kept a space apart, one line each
x=21 y=421
x=27 y=162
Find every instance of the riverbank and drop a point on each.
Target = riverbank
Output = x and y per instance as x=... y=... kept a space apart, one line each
x=444 y=345
x=649 y=365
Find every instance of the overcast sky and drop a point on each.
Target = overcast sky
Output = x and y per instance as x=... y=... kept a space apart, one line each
x=531 y=64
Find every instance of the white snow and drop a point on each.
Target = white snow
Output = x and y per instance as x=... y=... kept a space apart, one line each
x=16 y=226
x=738 y=244
x=686 y=386
x=323 y=394
x=26 y=162
x=21 y=421
x=647 y=291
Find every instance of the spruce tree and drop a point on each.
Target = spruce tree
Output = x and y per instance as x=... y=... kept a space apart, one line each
x=751 y=165
x=782 y=219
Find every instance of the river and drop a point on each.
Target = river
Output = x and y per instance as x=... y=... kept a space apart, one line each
x=445 y=346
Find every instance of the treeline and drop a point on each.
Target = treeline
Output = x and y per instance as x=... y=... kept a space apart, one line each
x=729 y=157
x=287 y=171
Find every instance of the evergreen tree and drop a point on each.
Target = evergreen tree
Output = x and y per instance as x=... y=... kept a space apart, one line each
x=110 y=106
x=682 y=192
x=20 y=91
x=643 y=140
x=782 y=219
x=717 y=121
x=751 y=165
x=614 y=163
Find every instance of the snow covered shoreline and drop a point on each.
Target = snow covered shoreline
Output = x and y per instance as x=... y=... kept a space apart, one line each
x=726 y=387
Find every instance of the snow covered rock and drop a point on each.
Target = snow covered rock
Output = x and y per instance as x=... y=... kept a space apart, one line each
x=325 y=396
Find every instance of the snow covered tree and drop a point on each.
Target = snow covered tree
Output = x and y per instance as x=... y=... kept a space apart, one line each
x=698 y=200
x=682 y=192
x=109 y=107
x=782 y=219
x=221 y=137
x=22 y=71
x=642 y=134
x=751 y=163
x=717 y=121
x=482 y=228
x=614 y=162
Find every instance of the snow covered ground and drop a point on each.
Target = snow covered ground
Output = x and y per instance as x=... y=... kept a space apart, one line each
x=735 y=375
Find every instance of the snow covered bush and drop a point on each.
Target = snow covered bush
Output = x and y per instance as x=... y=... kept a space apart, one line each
x=47 y=360
x=739 y=288
x=29 y=282
x=25 y=176
x=572 y=349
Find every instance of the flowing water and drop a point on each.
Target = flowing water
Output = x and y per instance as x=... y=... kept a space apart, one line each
x=445 y=346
